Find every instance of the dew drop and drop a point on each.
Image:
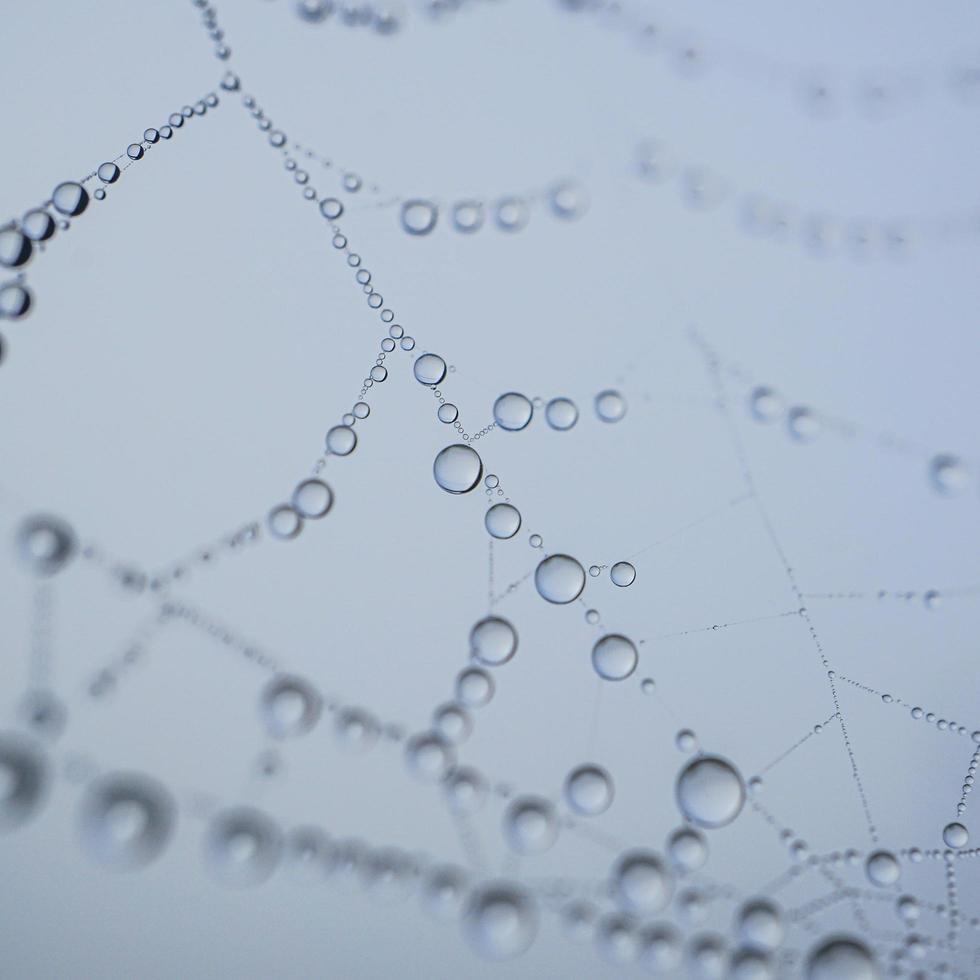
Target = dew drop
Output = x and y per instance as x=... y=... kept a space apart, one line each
x=764 y=404
x=686 y=740
x=24 y=780
x=561 y=414
x=710 y=792
x=289 y=706
x=882 y=869
x=610 y=405
x=474 y=687
x=955 y=835
x=622 y=574
x=614 y=657
x=530 y=825
x=37 y=224
x=312 y=499
x=444 y=891
x=341 y=440
x=331 y=208
x=45 y=544
x=512 y=411
x=948 y=475
x=452 y=722
x=589 y=790
x=134 y=151
x=242 y=846
x=568 y=200
x=661 y=949
x=841 y=958
x=617 y=940
x=466 y=790
x=284 y=522
x=760 y=925
x=447 y=412
x=642 y=882
x=429 y=756
x=592 y=616
x=803 y=425
x=493 y=641
x=535 y=541
x=457 y=468
x=511 y=214
x=310 y=856
x=429 y=369
x=356 y=730
x=687 y=849
x=468 y=216
x=419 y=217
x=69 y=198
x=502 y=521
x=559 y=579
x=500 y=921
x=15 y=301
x=15 y=247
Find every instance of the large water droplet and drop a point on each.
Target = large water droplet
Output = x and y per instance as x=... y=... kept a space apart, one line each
x=610 y=405
x=687 y=849
x=331 y=208
x=530 y=825
x=38 y=225
x=760 y=925
x=512 y=411
x=841 y=958
x=561 y=414
x=622 y=574
x=419 y=217
x=493 y=641
x=500 y=920
x=642 y=882
x=882 y=868
x=589 y=790
x=955 y=835
x=457 y=468
x=559 y=579
x=70 y=198
x=126 y=820
x=429 y=369
x=242 y=846
x=474 y=687
x=710 y=792
x=23 y=780
x=312 y=499
x=502 y=521
x=15 y=247
x=284 y=522
x=341 y=440
x=614 y=657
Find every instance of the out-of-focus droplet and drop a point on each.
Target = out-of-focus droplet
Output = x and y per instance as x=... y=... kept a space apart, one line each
x=419 y=217
x=841 y=958
x=589 y=790
x=493 y=641
x=530 y=825
x=642 y=882
x=687 y=849
x=568 y=200
x=24 y=778
x=500 y=920
x=242 y=846
x=468 y=216
x=948 y=474
x=511 y=214
x=312 y=499
x=474 y=687
x=882 y=869
x=429 y=756
x=290 y=706
x=45 y=543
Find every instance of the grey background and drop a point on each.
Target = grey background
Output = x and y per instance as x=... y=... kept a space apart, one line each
x=195 y=335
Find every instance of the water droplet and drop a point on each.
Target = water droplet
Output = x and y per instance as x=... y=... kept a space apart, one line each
x=559 y=579
x=447 y=412
x=561 y=414
x=955 y=835
x=15 y=301
x=468 y=216
x=429 y=756
x=614 y=657
x=500 y=921
x=535 y=541
x=622 y=574
x=444 y=891
x=230 y=81
x=760 y=925
x=331 y=208
x=474 y=687
x=312 y=499
x=610 y=405
x=69 y=198
x=764 y=404
x=589 y=790
x=356 y=729
x=502 y=521
x=289 y=706
x=419 y=217
x=617 y=940
x=708 y=956
x=37 y=224
x=710 y=792
x=45 y=544
x=882 y=869
x=947 y=474
x=15 y=247
x=687 y=849
x=309 y=855
x=341 y=440
x=126 y=820
x=493 y=641
x=592 y=616
x=530 y=825
x=512 y=411
x=686 y=740
x=134 y=151
x=466 y=790
x=750 y=964
x=841 y=958
x=907 y=908
x=23 y=780
x=452 y=722
x=568 y=200
x=661 y=949
x=642 y=883
x=803 y=425
x=429 y=369
x=511 y=214
x=457 y=468
x=578 y=919
x=242 y=846
x=352 y=183
x=932 y=599
x=284 y=522
x=648 y=685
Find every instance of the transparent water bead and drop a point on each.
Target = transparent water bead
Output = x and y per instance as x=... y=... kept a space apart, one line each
x=530 y=825
x=341 y=440
x=419 y=217
x=687 y=849
x=69 y=198
x=242 y=846
x=559 y=579
x=468 y=216
x=841 y=958
x=429 y=756
x=622 y=574
x=126 y=820
x=45 y=544
x=429 y=369
x=710 y=792
x=882 y=869
x=614 y=657
x=15 y=301
x=764 y=404
x=493 y=641
x=610 y=405
x=760 y=926
x=511 y=214
x=474 y=687
x=37 y=224
x=457 y=468
x=447 y=412
x=284 y=522
x=500 y=920
x=15 y=247
x=561 y=414
x=289 y=706
x=312 y=499
x=955 y=835
x=948 y=475
x=589 y=790
x=513 y=411
x=502 y=521
x=643 y=884
x=331 y=208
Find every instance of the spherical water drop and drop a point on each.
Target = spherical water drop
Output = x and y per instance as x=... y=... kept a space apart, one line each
x=331 y=208
x=356 y=730
x=803 y=425
x=500 y=921
x=429 y=756
x=447 y=412
x=592 y=616
x=710 y=792
x=841 y=958
x=750 y=964
x=312 y=499
x=457 y=468
x=955 y=835
x=568 y=200
x=468 y=216
x=419 y=217
x=15 y=247
x=493 y=641
x=561 y=414
x=511 y=214
x=530 y=825
x=512 y=411
x=69 y=198
x=661 y=949
x=126 y=820
x=38 y=225
x=466 y=790
x=947 y=474
x=907 y=908
x=622 y=574
x=882 y=869
x=134 y=151
x=45 y=544
x=642 y=882
x=230 y=81
x=617 y=940
x=242 y=846
x=444 y=891
x=610 y=406
x=686 y=740
x=341 y=440
x=559 y=579
x=614 y=657
x=687 y=849
x=589 y=790
x=764 y=404
x=15 y=301
x=474 y=687
x=151 y=135
x=23 y=780
x=760 y=925
x=502 y=521
x=289 y=706
x=429 y=369
x=535 y=540
x=284 y=522
x=453 y=723
x=708 y=957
